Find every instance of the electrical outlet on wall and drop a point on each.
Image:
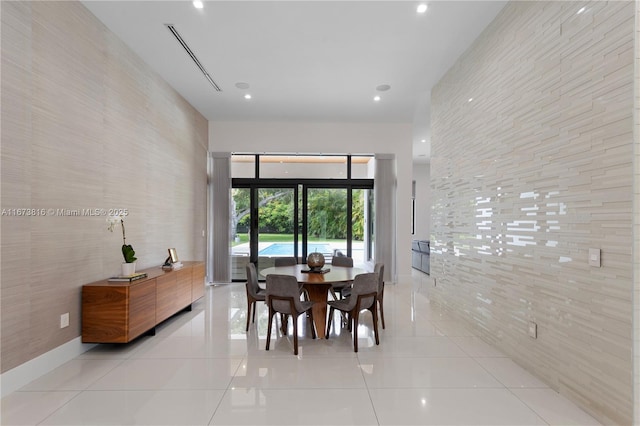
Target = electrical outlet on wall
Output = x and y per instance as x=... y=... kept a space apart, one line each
x=594 y=257
x=64 y=320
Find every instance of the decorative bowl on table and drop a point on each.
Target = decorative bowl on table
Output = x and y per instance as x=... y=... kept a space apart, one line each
x=315 y=261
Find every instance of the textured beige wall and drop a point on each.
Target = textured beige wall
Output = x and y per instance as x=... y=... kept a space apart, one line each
x=636 y=223
x=85 y=125
x=532 y=133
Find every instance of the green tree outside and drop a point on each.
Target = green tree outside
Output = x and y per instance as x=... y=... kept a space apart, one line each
x=327 y=207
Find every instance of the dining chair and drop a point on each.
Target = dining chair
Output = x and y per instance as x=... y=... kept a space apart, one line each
x=291 y=261
x=379 y=270
x=254 y=292
x=283 y=296
x=364 y=295
x=285 y=261
x=339 y=288
x=342 y=261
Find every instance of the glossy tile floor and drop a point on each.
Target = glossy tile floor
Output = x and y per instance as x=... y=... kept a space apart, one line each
x=201 y=368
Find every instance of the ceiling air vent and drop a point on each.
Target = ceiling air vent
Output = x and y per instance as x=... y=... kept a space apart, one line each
x=187 y=49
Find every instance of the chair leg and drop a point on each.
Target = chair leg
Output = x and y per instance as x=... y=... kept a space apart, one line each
x=374 y=312
x=255 y=306
x=271 y=313
x=381 y=311
x=312 y=324
x=295 y=333
x=333 y=294
x=355 y=316
x=329 y=324
x=249 y=314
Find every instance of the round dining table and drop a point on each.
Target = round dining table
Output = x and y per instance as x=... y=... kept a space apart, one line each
x=317 y=285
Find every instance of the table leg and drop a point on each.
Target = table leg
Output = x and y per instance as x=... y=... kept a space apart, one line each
x=318 y=293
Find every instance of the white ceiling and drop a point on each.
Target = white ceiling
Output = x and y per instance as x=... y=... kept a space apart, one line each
x=304 y=60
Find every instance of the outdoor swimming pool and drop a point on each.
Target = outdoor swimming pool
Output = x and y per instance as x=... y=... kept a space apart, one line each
x=286 y=249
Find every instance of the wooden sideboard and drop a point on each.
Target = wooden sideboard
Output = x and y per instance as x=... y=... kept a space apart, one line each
x=118 y=312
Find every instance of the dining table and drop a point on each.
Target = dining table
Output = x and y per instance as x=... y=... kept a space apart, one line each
x=317 y=285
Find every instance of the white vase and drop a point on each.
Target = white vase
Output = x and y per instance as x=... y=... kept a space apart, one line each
x=128 y=268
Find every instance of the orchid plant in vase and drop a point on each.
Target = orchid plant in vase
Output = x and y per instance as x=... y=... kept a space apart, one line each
x=128 y=267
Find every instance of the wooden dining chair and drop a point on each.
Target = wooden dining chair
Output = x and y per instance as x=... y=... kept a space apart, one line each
x=254 y=292
x=364 y=295
x=283 y=296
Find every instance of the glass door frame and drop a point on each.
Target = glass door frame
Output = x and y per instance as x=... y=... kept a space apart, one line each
x=255 y=216
x=323 y=184
x=254 y=184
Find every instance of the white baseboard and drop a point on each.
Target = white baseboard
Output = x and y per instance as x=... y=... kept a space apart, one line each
x=17 y=377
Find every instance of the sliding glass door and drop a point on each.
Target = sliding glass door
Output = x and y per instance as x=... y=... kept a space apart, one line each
x=326 y=222
x=276 y=227
x=292 y=217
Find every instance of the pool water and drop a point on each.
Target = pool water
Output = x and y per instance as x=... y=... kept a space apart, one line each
x=286 y=249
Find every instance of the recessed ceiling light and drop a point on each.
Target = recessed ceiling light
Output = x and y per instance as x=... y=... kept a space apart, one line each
x=582 y=9
x=242 y=85
x=247 y=96
x=198 y=4
x=376 y=98
x=383 y=88
x=422 y=8
x=470 y=100
x=423 y=141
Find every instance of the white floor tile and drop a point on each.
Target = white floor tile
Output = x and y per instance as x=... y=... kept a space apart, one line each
x=77 y=374
x=194 y=347
x=138 y=408
x=402 y=326
x=426 y=373
x=116 y=351
x=295 y=407
x=30 y=408
x=202 y=368
x=554 y=408
x=166 y=374
x=336 y=346
x=452 y=328
x=299 y=373
x=451 y=407
x=510 y=374
x=429 y=346
x=475 y=347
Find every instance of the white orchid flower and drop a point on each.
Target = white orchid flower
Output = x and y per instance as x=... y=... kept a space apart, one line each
x=112 y=221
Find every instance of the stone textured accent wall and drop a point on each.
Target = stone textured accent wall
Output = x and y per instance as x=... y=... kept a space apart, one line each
x=85 y=125
x=532 y=165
